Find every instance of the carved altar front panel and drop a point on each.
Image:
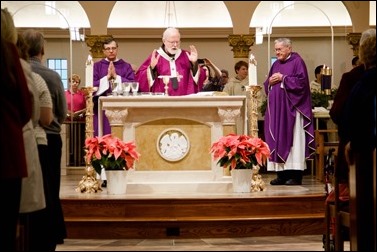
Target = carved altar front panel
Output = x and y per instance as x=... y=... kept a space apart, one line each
x=202 y=120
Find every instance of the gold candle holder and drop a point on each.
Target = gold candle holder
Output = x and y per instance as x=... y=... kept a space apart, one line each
x=257 y=183
x=252 y=109
x=326 y=73
x=89 y=183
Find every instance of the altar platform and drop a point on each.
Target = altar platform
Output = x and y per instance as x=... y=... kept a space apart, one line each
x=182 y=192
x=192 y=210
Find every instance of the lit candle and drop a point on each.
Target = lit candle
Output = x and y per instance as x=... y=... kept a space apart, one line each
x=326 y=73
x=89 y=72
x=252 y=71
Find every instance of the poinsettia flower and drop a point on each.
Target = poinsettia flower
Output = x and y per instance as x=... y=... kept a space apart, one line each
x=110 y=152
x=240 y=151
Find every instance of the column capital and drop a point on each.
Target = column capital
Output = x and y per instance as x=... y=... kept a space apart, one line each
x=228 y=115
x=353 y=39
x=241 y=44
x=116 y=117
x=95 y=42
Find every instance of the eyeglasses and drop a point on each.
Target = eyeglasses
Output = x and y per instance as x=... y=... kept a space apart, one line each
x=280 y=49
x=173 y=42
x=110 y=48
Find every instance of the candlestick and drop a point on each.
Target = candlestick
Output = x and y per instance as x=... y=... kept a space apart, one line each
x=89 y=183
x=89 y=72
x=326 y=73
x=257 y=183
x=252 y=71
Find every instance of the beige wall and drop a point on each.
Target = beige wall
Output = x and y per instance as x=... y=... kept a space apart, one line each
x=314 y=50
x=312 y=43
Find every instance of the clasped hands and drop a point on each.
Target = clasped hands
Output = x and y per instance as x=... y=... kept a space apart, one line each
x=275 y=78
x=111 y=74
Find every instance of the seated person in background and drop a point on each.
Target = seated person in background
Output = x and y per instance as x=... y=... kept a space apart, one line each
x=224 y=78
x=315 y=85
x=212 y=77
x=76 y=103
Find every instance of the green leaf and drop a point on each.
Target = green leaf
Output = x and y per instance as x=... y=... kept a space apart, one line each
x=97 y=166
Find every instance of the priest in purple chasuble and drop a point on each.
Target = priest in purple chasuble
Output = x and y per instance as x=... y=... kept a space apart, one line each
x=105 y=71
x=179 y=65
x=289 y=128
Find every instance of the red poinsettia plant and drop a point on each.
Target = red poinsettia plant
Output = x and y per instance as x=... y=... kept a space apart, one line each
x=240 y=151
x=110 y=152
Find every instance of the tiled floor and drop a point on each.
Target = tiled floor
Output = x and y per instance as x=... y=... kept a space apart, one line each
x=270 y=243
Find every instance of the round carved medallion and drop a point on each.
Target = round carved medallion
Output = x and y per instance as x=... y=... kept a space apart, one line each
x=173 y=144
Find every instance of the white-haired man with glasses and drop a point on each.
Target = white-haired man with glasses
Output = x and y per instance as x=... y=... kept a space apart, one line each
x=170 y=60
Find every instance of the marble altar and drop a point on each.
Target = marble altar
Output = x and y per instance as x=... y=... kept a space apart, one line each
x=194 y=121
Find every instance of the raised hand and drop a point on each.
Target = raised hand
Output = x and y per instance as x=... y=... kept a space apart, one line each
x=154 y=58
x=193 y=55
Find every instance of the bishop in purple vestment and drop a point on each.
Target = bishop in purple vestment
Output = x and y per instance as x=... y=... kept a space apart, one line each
x=179 y=65
x=289 y=129
x=104 y=71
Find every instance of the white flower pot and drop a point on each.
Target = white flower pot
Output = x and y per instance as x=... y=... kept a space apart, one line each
x=116 y=181
x=241 y=179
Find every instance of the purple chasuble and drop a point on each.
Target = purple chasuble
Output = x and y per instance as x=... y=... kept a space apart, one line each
x=283 y=101
x=100 y=69
x=178 y=66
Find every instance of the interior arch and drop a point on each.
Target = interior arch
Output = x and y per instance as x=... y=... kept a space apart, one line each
x=147 y=14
